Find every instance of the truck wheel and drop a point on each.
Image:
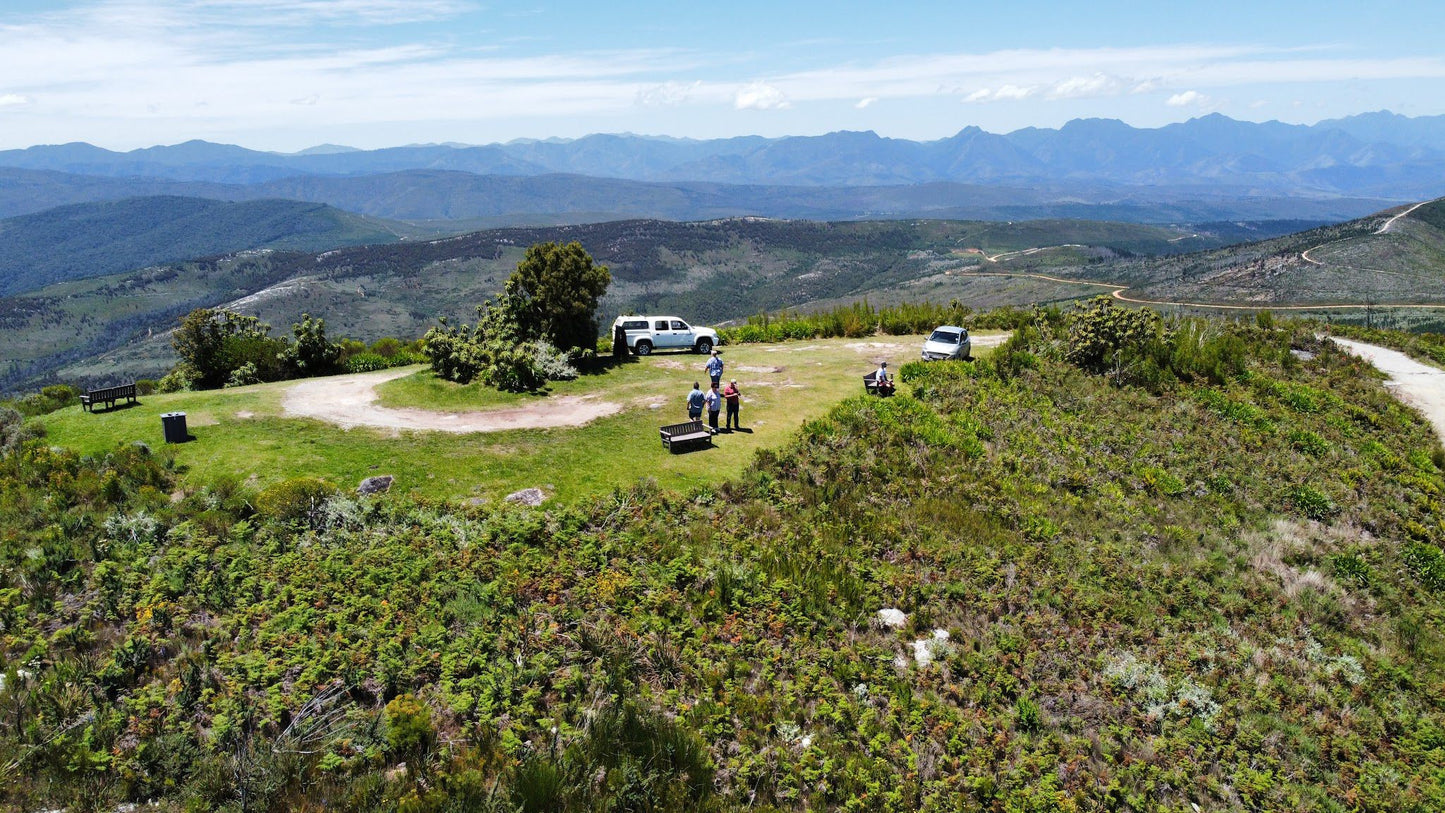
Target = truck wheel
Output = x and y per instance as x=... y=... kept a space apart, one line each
x=704 y=346
x=643 y=348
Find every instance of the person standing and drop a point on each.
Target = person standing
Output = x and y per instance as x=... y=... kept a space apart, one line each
x=715 y=368
x=695 y=400
x=713 y=399
x=732 y=395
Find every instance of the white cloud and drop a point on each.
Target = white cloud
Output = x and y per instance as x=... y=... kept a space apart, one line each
x=136 y=72
x=1005 y=93
x=1082 y=87
x=760 y=96
x=306 y=12
x=667 y=94
x=1189 y=98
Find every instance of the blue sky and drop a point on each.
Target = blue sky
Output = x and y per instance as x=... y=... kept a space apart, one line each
x=289 y=74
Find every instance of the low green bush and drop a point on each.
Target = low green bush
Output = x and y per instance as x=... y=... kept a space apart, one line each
x=297 y=499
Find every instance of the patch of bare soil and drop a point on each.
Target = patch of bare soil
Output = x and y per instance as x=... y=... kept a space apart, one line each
x=1417 y=384
x=350 y=401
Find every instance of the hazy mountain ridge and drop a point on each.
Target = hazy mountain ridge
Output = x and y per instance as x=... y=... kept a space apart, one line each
x=482 y=201
x=1272 y=157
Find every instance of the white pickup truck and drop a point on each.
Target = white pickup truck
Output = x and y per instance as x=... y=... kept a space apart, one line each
x=647 y=333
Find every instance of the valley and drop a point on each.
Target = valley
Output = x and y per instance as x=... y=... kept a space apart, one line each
x=117 y=325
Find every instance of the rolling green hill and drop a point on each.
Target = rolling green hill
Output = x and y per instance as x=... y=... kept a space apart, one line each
x=95 y=239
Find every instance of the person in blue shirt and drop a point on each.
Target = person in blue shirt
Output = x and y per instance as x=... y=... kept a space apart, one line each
x=715 y=368
x=694 y=402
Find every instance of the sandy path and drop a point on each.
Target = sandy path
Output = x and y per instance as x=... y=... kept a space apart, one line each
x=1419 y=385
x=350 y=401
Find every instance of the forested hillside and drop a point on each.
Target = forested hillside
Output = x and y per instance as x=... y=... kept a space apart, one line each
x=93 y=240
x=1131 y=570
x=1377 y=259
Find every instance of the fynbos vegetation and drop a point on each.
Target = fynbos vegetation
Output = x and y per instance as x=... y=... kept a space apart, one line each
x=1210 y=576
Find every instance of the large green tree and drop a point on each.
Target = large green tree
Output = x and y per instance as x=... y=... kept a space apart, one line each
x=214 y=344
x=557 y=289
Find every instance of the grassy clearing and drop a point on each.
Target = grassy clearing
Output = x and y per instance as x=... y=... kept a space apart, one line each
x=243 y=432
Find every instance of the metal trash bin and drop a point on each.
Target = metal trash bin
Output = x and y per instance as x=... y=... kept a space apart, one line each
x=174 y=424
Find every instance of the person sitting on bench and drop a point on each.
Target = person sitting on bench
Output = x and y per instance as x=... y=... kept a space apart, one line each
x=882 y=380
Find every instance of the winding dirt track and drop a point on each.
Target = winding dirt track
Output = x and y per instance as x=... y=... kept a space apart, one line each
x=350 y=401
x=1118 y=290
x=1419 y=385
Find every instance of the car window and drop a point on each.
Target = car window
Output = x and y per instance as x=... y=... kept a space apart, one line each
x=679 y=325
x=661 y=325
x=638 y=324
x=945 y=336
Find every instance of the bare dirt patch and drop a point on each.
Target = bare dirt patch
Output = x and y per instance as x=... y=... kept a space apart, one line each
x=350 y=401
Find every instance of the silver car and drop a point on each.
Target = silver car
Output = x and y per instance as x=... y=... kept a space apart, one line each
x=947 y=342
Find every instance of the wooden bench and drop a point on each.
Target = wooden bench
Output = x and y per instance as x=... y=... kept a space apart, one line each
x=684 y=433
x=107 y=396
x=870 y=385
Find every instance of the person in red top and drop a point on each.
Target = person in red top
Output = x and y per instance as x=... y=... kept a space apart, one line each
x=732 y=395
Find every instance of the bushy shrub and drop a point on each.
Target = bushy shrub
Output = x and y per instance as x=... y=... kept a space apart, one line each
x=49 y=399
x=366 y=363
x=553 y=364
x=310 y=354
x=297 y=499
x=182 y=377
x=409 y=728
x=495 y=351
x=13 y=430
x=1107 y=339
x=243 y=376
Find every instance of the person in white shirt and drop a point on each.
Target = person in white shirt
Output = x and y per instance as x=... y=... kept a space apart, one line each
x=883 y=380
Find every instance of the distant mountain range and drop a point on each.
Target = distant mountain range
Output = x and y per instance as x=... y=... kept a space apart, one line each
x=1369 y=155
x=1209 y=168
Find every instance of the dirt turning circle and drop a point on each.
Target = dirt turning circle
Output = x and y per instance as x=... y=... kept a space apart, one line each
x=350 y=401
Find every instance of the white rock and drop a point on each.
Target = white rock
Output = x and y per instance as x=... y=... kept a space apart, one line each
x=892 y=617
